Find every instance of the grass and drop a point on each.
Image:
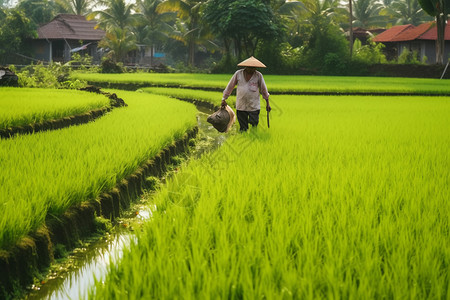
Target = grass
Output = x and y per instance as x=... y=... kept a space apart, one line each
x=45 y=173
x=343 y=197
x=283 y=84
x=20 y=107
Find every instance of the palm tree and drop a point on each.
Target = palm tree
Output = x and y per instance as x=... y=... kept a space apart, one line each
x=117 y=14
x=76 y=7
x=328 y=11
x=119 y=42
x=153 y=27
x=366 y=14
x=117 y=20
x=403 y=12
x=189 y=12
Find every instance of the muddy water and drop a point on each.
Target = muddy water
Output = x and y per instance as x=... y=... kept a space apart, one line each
x=72 y=278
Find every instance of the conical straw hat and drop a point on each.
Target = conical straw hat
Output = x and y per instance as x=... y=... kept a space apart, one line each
x=252 y=62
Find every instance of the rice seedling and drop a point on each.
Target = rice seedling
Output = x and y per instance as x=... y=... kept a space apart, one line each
x=46 y=173
x=343 y=197
x=27 y=106
x=282 y=83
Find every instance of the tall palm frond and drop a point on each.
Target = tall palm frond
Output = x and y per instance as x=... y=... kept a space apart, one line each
x=405 y=12
x=366 y=14
x=189 y=13
x=76 y=7
x=119 y=42
x=117 y=14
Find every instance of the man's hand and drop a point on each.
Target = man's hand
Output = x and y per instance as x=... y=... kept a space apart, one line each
x=268 y=108
x=224 y=103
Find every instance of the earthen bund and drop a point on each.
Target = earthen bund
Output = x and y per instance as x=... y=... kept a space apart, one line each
x=33 y=254
x=66 y=121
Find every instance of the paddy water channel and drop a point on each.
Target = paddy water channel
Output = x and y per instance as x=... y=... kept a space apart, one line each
x=75 y=275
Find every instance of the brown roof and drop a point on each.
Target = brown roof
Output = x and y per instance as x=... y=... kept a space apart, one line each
x=402 y=33
x=432 y=33
x=390 y=34
x=73 y=27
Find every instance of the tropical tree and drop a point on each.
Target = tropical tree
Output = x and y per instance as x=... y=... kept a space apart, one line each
x=403 y=12
x=118 y=14
x=244 y=23
x=38 y=11
x=440 y=9
x=152 y=27
x=366 y=14
x=119 y=42
x=15 y=28
x=76 y=7
x=190 y=25
x=290 y=16
x=325 y=46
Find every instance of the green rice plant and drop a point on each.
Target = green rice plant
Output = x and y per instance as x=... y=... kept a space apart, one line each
x=342 y=198
x=189 y=94
x=46 y=173
x=27 y=106
x=283 y=84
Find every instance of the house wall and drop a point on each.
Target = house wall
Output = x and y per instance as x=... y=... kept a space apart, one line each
x=59 y=50
x=41 y=49
x=430 y=51
x=424 y=48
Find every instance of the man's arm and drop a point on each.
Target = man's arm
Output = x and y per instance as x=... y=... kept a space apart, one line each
x=229 y=89
x=264 y=92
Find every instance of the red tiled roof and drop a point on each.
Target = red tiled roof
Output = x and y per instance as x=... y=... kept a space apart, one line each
x=391 y=33
x=432 y=33
x=413 y=33
x=402 y=33
x=73 y=27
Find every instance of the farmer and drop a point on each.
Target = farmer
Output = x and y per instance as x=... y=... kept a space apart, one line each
x=250 y=84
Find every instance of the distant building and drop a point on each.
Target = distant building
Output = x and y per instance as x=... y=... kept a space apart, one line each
x=64 y=35
x=365 y=34
x=421 y=39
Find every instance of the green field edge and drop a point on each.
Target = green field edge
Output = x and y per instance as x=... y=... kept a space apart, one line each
x=66 y=121
x=32 y=255
x=136 y=86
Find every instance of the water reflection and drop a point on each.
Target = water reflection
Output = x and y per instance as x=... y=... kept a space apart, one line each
x=86 y=264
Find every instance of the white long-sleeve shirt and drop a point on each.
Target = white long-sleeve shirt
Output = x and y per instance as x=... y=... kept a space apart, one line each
x=247 y=93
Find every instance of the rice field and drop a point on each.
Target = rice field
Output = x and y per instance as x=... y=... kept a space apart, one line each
x=45 y=173
x=282 y=84
x=343 y=197
x=25 y=106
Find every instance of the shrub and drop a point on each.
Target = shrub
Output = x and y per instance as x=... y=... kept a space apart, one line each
x=53 y=75
x=110 y=66
x=370 y=53
x=408 y=57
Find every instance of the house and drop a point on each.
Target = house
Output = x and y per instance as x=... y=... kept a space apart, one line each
x=64 y=35
x=364 y=35
x=420 y=38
